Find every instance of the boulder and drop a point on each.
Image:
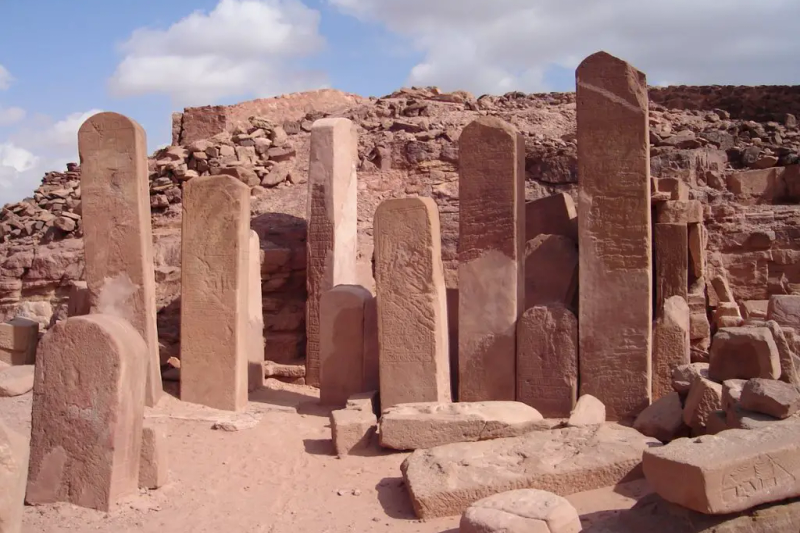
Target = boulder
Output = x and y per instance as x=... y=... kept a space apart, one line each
x=16 y=381
x=663 y=419
x=744 y=353
x=589 y=411
x=704 y=397
x=683 y=376
x=770 y=397
x=521 y=511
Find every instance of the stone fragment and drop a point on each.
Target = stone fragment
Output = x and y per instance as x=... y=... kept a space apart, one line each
x=722 y=289
x=491 y=251
x=680 y=212
x=353 y=428
x=674 y=187
x=117 y=231
x=717 y=422
x=697 y=235
x=341 y=312
x=671 y=344
x=13 y=477
x=153 y=466
x=589 y=411
x=88 y=406
x=738 y=418
x=704 y=397
x=729 y=472
x=672 y=259
x=683 y=376
x=551 y=215
x=744 y=353
x=785 y=310
x=214 y=303
x=255 y=316
x=663 y=419
x=412 y=305
x=16 y=381
x=424 y=425
x=332 y=222
x=731 y=393
x=79 y=302
x=547 y=360
x=786 y=354
x=445 y=480
x=18 y=340
x=551 y=271
x=521 y=511
x=770 y=397
x=614 y=235
x=754 y=309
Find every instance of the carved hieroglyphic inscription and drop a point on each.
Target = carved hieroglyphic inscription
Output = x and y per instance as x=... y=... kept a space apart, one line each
x=763 y=475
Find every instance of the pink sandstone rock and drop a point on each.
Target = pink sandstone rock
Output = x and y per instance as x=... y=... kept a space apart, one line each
x=744 y=353
x=16 y=381
x=371 y=345
x=731 y=393
x=332 y=221
x=680 y=212
x=521 y=511
x=770 y=397
x=704 y=397
x=153 y=466
x=589 y=411
x=412 y=305
x=118 y=235
x=255 y=316
x=754 y=308
x=614 y=235
x=671 y=259
x=671 y=344
x=445 y=480
x=717 y=423
x=551 y=271
x=547 y=360
x=663 y=419
x=353 y=428
x=551 y=215
x=728 y=472
x=13 y=477
x=79 y=303
x=18 y=340
x=341 y=335
x=698 y=238
x=722 y=289
x=214 y=304
x=684 y=375
x=413 y=426
x=491 y=251
x=88 y=404
x=785 y=310
x=786 y=354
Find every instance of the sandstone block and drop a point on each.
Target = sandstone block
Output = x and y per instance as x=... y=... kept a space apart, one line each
x=683 y=376
x=731 y=393
x=13 y=477
x=698 y=237
x=754 y=309
x=491 y=251
x=717 y=422
x=739 y=418
x=79 y=302
x=785 y=310
x=118 y=234
x=371 y=345
x=332 y=222
x=770 y=397
x=680 y=212
x=445 y=480
x=671 y=344
x=744 y=353
x=547 y=360
x=722 y=289
x=704 y=397
x=699 y=327
x=153 y=466
x=728 y=472
x=551 y=215
x=412 y=303
x=352 y=429
x=674 y=187
x=521 y=511
x=589 y=411
x=425 y=425
x=786 y=353
x=18 y=340
x=672 y=259
x=551 y=271
x=614 y=226
x=255 y=316
x=663 y=419
x=88 y=405
x=16 y=381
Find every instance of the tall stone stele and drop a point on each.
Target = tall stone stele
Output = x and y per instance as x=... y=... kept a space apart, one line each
x=215 y=330
x=332 y=222
x=491 y=252
x=412 y=304
x=614 y=226
x=117 y=232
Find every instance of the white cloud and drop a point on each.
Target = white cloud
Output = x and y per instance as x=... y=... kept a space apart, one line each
x=11 y=115
x=241 y=47
x=5 y=78
x=501 y=45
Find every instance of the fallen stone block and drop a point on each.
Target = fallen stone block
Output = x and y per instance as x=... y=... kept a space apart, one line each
x=728 y=472
x=752 y=309
x=153 y=466
x=786 y=354
x=445 y=480
x=18 y=340
x=79 y=303
x=521 y=511
x=16 y=381
x=722 y=289
x=424 y=425
x=352 y=430
x=589 y=411
x=683 y=376
x=785 y=310
x=13 y=478
x=744 y=353
x=738 y=418
x=704 y=397
x=717 y=422
x=731 y=392
x=663 y=419
x=770 y=397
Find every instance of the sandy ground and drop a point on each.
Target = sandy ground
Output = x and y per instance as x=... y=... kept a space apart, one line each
x=280 y=475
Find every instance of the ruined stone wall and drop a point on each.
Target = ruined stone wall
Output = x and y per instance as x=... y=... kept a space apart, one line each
x=761 y=103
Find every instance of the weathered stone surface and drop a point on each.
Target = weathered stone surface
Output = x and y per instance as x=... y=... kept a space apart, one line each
x=371 y=345
x=117 y=231
x=680 y=212
x=683 y=376
x=698 y=238
x=614 y=235
x=785 y=310
x=754 y=309
x=671 y=344
x=88 y=405
x=425 y=425
x=672 y=259
x=770 y=397
x=445 y=480
x=341 y=335
x=332 y=222
x=255 y=316
x=547 y=360
x=744 y=353
x=412 y=303
x=353 y=428
x=551 y=215
x=786 y=354
x=663 y=419
x=704 y=397
x=589 y=411
x=521 y=511
x=13 y=477
x=722 y=289
x=717 y=422
x=214 y=305
x=16 y=380
x=728 y=472
x=739 y=418
x=731 y=393
x=490 y=258
x=18 y=340
x=79 y=303
x=153 y=465
x=551 y=271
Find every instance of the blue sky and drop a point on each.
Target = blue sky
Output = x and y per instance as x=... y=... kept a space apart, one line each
x=62 y=60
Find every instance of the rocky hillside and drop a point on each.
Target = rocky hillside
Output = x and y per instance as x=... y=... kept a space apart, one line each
x=729 y=144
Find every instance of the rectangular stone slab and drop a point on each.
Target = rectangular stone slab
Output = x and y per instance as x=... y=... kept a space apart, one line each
x=551 y=215
x=255 y=316
x=728 y=472
x=672 y=260
x=18 y=340
x=445 y=480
